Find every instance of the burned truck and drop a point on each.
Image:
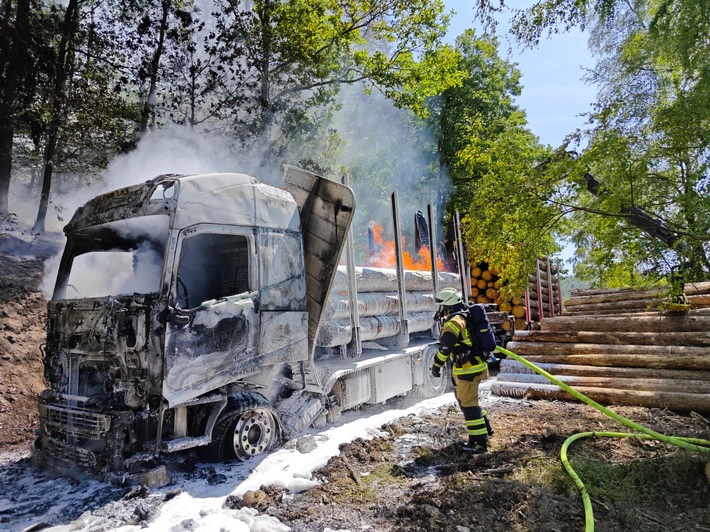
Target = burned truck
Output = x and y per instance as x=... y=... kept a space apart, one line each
x=186 y=314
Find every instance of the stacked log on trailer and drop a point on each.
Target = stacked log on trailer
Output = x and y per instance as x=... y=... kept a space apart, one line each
x=616 y=352
x=378 y=304
x=541 y=300
x=544 y=297
x=485 y=284
x=485 y=289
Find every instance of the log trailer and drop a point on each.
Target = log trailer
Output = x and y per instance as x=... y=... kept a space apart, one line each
x=209 y=311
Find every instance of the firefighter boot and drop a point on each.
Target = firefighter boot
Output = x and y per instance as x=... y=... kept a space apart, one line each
x=475 y=445
x=489 y=429
x=476 y=429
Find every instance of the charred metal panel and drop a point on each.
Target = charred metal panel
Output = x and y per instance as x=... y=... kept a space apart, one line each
x=98 y=348
x=234 y=199
x=283 y=337
x=327 y=209
x=384 y=386
x=354 y=390
x=208 y=347
x=281 y=275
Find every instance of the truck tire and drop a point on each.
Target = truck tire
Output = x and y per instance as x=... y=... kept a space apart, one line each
x=432 y=386
x=247 y=428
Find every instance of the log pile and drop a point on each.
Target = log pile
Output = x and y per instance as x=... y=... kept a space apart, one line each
x=644 y=358
x=485 y=284
x=615 y=300
x=378 y=304
x=544 y=297
x=541 y=300
x=697 y=294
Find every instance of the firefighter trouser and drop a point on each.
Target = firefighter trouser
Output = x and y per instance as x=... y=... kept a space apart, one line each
x=466 y=392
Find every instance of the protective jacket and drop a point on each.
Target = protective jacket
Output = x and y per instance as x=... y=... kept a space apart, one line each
x=455 y=341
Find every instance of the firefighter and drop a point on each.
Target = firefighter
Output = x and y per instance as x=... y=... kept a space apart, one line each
x=469 y=368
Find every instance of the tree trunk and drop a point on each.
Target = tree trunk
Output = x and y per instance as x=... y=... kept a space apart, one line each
x=509 y=366
x=149 y=104
x=693 y=361
x=552 y=348
x=700 y=339
x=678 y=401
x=15 y=63
x=644 y=322
x=65 y=60
x=622 y=383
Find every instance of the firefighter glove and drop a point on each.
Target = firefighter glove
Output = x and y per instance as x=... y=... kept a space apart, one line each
x=436 y=371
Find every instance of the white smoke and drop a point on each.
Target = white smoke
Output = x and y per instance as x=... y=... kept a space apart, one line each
x=382 y=139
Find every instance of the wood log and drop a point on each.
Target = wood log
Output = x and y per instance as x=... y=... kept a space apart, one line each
x=475 y=272
x=474 y=291
x=532 y=279
x=699 y=300
x=487 y=275
x=643 y=322
x=700 y=339
x=640 y=304
x=677 y=401
x=545 y=294
x=647 y=384
x=518 y=311
x=385 y=280
x=676 y=361
x=696 y=288
x=617 y=297
x=520 y=324
x=481 y=284
x=508 y=365
x=339 y=332
x=491 y=293
x=534 y=305
x=554 y=348
x=610 y=311
x=377 y=304
x=579 y=292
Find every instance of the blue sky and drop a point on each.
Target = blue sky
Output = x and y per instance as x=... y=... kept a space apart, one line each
x=553 y=93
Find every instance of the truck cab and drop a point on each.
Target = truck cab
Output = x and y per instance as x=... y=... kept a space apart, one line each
x=186 y=315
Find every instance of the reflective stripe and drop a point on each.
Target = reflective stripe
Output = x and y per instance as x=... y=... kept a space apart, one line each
x=469 y=369
x=440 y=359
x=459 y=329
x=476 y=427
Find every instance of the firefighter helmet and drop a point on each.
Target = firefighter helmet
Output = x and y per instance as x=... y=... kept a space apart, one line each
x=448 y=297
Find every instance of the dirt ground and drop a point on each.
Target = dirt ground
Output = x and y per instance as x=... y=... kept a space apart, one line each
x=414 y=477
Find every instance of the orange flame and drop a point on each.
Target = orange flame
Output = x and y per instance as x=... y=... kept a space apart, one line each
x=383 y=256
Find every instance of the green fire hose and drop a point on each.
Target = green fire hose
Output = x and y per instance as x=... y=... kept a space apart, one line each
x=691 y=444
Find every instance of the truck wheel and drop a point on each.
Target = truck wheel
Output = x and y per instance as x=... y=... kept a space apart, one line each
x=432 y=386
x=250 y=429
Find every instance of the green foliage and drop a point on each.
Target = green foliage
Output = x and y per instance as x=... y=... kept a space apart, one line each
x=635 y=198
x=490 y=154
x=285 y=59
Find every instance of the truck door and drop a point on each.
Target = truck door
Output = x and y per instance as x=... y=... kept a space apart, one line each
x=212 y=326
x=284 y=316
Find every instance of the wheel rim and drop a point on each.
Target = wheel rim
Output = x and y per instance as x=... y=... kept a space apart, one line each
x=253 y=433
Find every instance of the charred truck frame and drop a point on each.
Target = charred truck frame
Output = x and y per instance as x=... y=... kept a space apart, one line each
x=186 y=314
